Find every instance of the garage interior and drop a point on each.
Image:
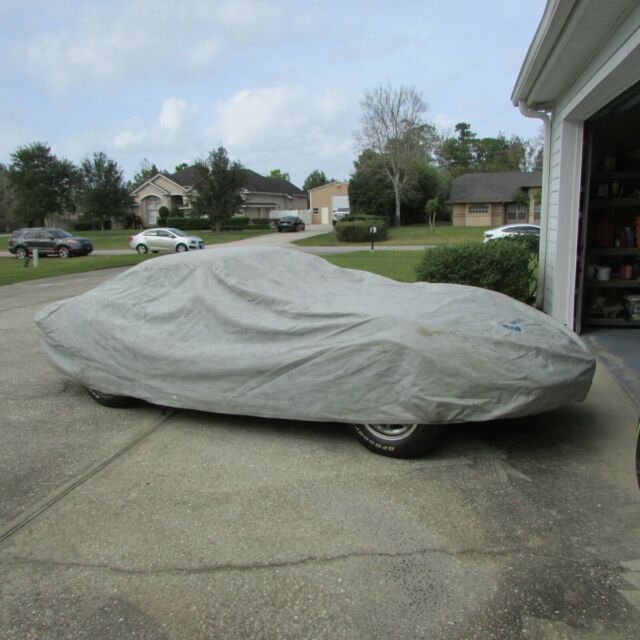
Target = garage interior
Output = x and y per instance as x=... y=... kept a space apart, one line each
x=608 y=286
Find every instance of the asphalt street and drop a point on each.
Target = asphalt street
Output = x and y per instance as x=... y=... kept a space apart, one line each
x=141 y=523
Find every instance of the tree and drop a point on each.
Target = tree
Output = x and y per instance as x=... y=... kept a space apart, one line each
x=42 y=184
x=392 y=127
x=146 y=171
x=6 y=198
x=279 y=175
x=431 y=211
x=217 y=190
x=457 y=155
x=370 y=191
x=315 y=179
x=103 y=194
x=181 y=166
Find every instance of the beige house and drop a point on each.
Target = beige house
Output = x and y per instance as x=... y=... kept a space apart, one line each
x=260 y=195
x=494 y=199
x=324 y=199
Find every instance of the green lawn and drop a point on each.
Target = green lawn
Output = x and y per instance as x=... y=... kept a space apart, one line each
x=119 y=239
x=417 y=234
x=12 y=269
x=399 y=265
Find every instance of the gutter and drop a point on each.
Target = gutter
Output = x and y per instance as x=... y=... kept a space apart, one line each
x=527 y=111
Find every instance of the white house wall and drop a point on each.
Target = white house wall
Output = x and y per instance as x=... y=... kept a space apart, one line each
x=615 y=69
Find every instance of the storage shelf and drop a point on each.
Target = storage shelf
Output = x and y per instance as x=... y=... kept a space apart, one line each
x=616 y=203
x=614 y=284
x=615 y=252
x=611 y=322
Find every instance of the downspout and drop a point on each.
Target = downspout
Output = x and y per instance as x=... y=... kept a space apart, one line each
x=544 y=204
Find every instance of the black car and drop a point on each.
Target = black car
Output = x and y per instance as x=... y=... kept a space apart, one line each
x=290 y=223
x=48 y=240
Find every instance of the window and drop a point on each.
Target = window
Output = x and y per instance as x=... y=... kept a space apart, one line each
x=478 y=208
x=536 y=212
x=516 y=212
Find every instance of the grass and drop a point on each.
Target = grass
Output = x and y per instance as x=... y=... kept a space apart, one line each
x=398 y=265
x=12 y=269
x=119 y=239
x=416 y=234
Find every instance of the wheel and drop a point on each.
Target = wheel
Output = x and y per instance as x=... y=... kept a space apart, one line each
x=181 y=248
x=142 y=249
x=398 y=440
x=108 y=400
x=22 y=253
x=64 y=252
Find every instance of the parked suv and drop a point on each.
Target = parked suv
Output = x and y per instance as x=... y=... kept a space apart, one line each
x=48 y=240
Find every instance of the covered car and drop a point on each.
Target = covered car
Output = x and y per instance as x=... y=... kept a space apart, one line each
x=230 y=331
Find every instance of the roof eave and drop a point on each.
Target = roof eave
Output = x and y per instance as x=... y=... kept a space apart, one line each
x=553 y=20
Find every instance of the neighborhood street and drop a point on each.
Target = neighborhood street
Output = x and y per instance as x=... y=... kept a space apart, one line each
x=145 y=523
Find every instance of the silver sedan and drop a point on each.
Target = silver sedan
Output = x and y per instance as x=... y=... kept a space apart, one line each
x=164 y=239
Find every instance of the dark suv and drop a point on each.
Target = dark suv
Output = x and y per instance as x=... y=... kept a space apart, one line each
x=48 y=240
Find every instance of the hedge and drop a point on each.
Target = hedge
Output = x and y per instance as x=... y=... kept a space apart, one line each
x=358 y=230
x=505 y=266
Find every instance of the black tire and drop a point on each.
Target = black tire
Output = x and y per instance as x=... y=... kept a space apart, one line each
x=22 y=253
x=64 y=252
x=398 y=440
x=142 y=249
x=108 y=400
x=181 y=248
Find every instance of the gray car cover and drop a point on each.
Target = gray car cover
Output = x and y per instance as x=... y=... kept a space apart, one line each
x=279 y=333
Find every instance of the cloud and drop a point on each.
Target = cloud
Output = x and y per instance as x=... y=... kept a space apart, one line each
x=287 y=126
x=112 y=43
x=172 y=128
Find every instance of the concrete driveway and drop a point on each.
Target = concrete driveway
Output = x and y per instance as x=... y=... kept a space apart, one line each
x=143 y=524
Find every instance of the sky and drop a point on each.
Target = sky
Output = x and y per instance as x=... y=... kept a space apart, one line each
x=278 y=83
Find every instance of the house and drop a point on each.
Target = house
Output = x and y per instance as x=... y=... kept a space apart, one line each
x=260 y=195
x=326 y=199
x=581 y=78
x=494 y=199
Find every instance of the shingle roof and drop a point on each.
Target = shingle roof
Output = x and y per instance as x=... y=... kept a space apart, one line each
x=252 y=182
x=492 y=187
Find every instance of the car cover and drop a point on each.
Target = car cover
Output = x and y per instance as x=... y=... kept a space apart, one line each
x=280 y=333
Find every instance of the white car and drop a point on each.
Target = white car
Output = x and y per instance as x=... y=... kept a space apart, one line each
x=510 y=230
x=340 y=213
x=164 y=239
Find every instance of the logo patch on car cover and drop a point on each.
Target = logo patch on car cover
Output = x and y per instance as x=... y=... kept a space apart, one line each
x=514 y=325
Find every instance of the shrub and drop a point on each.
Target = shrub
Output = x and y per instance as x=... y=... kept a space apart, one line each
x=507 y=267
x=239 y=220
x=261 y=221
x=187 y=223
x=163 y=214
x=358 y=230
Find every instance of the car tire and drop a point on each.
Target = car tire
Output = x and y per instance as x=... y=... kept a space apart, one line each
x=398 y=440
x=22 y=253
x=142 y=249
x=181 y=248
x=64 y=252
x=109 y=400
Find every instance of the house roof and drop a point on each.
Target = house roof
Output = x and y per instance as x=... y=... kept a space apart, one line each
x=570 y=34
x=328 y=184
x=492 y=187
x=252 y=182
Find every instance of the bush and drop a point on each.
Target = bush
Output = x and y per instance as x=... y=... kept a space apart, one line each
x=508 y=267
x=242 y=220
x=261 y=221
x=163 y=214
x=187 y=223
x=349 y=230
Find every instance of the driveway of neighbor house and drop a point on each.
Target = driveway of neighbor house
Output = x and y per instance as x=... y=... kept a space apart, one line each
x=151 y=524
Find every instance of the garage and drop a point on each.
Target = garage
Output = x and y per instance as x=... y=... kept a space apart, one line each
x=581 y=79
x=609 y=248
